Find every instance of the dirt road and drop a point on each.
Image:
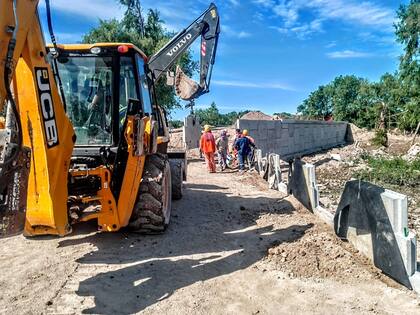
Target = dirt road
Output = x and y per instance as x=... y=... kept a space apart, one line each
x=213 y=259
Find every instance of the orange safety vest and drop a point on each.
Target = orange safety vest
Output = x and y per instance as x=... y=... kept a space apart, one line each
x=207 y=143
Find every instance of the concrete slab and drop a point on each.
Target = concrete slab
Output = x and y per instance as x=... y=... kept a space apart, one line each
x=325 y=215
x=374 y=221
x=298 y=184
x=191 y=132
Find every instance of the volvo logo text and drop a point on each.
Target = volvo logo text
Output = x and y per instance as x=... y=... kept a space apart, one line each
x=181 y=43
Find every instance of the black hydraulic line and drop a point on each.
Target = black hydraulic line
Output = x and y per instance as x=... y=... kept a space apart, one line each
x=8 y=71
x=55 y=54
x=50 y=27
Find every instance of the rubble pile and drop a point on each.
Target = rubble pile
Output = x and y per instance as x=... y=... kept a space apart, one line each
x=319 y=255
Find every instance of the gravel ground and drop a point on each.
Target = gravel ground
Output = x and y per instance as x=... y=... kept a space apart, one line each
x=233 y=247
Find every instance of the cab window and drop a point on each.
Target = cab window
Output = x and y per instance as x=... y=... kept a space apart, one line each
x=144 y=87
x=127 y=87
x=87 y=84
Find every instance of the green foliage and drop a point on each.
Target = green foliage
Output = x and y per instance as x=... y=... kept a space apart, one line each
x=176 y=123
x=407 y=31
x=359 y=101
x=133 y=17
x=284 y=115
x=149 y=35
x=318 y=104
x=212 y=116
x=394 y=171
x=380 y=138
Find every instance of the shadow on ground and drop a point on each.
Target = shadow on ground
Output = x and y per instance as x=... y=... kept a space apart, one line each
x=211 y=234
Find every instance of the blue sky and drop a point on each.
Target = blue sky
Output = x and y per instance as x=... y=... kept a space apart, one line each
x=272 y=53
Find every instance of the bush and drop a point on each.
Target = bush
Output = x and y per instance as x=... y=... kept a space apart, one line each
x=394 y=171
x=176 y=124
x=380 y=138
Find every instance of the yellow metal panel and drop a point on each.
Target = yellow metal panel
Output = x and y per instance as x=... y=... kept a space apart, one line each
x=108 y=220
x=133 y=173
x=47 y=189
x=26 y=12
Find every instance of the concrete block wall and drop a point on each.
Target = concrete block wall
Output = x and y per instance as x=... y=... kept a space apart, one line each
x=294 y=138
x=191 y=132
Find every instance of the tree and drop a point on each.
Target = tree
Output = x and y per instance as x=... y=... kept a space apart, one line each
x=149 y=36
x=284 y=115
x=407 y=30
x=176 y=123
x=361 y=102
x=318 y=104
x=209 y=116
x=212 y=116
x=348 y=98
x=133 y=17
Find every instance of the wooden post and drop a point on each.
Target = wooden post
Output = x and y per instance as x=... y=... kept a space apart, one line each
x=415 y=133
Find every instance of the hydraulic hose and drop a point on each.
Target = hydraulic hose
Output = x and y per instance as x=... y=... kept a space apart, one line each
x=55 y=54
x=50 y=27
x=8 y=71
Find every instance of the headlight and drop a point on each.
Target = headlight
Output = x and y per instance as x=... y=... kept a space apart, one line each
x=95 y=50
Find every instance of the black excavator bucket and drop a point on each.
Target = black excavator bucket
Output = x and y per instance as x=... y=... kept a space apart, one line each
x=185 y=88
x=13 y=185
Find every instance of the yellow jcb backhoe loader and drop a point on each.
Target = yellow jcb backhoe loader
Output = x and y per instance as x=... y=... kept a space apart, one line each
x=81 y=134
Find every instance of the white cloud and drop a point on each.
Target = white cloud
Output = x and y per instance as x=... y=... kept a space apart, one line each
x=288 y=12
x=243 y=34
x=361 y=13
x=234 y=2
x=331 y=45
x=253 y=85
x=301 y=31
x=265 y=3
x=348 y=54
x=229 y=31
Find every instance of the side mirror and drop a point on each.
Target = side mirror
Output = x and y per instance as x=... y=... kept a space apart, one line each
x=134 y=107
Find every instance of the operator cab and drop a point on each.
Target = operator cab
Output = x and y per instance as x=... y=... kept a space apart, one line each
x=99 y=82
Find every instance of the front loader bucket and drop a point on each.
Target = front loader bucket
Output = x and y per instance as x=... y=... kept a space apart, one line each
x=186 y=88
x=13 y=186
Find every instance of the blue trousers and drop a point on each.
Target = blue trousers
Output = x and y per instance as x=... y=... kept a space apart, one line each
x=241 y=159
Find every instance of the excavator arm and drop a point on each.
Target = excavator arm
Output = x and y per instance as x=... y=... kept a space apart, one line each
x=207 y=26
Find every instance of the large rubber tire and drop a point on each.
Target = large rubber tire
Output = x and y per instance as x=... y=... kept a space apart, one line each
x=177 y=175
x=152 y=210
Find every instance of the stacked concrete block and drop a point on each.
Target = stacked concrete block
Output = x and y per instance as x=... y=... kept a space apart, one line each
x=294 y=138
x=191 y=132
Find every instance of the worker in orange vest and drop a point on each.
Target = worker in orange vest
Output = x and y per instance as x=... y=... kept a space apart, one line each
x=208 y=147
